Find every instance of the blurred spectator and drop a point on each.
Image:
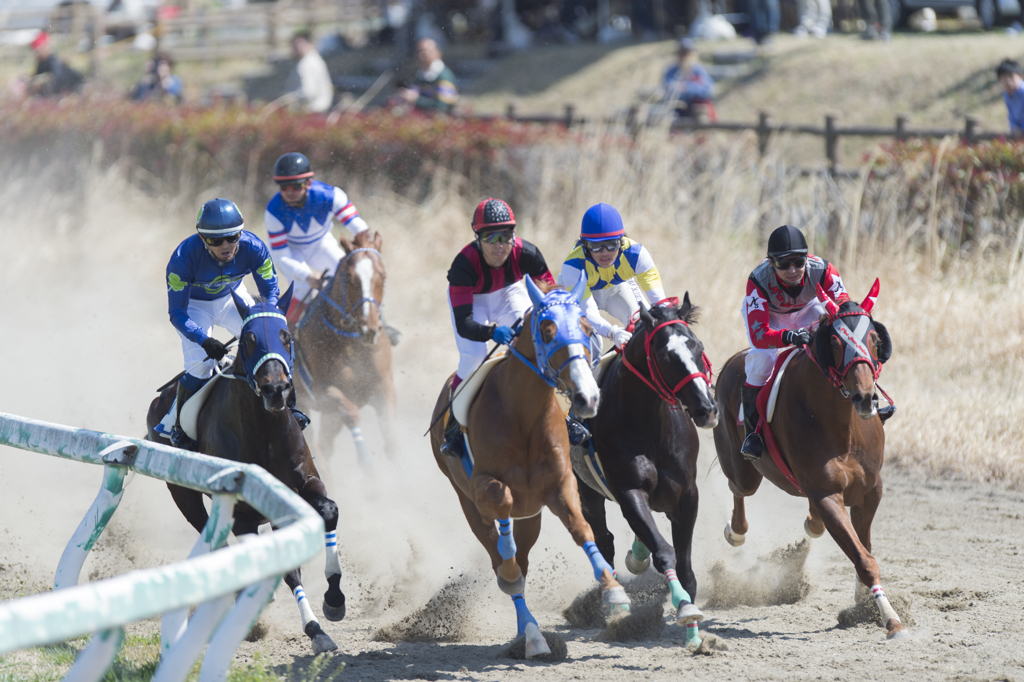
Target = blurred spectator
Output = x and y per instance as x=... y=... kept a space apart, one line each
x=764 y=19
x=1010 y=77
x=877 y=14
x=814 y=18
x=158 y=83
x=309 y=82
x=53 y=77
x=689 y=89
x=434 y=86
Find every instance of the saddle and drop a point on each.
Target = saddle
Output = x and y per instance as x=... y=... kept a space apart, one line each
x=189 y=412
x=463 y=400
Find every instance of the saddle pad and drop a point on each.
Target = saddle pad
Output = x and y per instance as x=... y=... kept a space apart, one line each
x=468 y=389
x=603 y=364
x=774 y=384
x=587 y=466
x=190 y=411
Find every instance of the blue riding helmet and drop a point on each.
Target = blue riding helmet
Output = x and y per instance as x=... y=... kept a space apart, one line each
x=601 y=223
x=219 y=218
x=563 y=308
x=265 y=321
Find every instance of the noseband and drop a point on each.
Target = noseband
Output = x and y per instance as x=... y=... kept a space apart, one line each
x=855 y=351
x=657 y=381
x=348 y=318
x=567 y=334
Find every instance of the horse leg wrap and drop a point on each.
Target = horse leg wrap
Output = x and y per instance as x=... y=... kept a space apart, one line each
x=692 y=635
x=527 y=628
x=305 y=611
x=686 y=611
x=506 y=543
x=333 y=566
x=884 y=607
x=523 y=615
x=638 y=558
x=596 y=559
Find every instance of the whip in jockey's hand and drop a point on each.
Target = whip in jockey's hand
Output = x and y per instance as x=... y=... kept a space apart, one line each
x=796 y=337
x=215 y=349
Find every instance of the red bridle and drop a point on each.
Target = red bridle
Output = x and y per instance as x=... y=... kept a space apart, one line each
x=657 y=381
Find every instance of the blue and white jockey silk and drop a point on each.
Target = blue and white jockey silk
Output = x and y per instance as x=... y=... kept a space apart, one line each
x=300 y=236
x=199 y=288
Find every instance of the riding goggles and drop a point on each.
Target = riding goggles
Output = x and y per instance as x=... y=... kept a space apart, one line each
x=610 y=246
x=217 y=241
x=292 y=185
x=498 y=237
x=787 y=262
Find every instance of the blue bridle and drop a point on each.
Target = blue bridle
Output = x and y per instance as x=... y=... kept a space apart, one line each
x=563 y=308
x=265 y=321
x=345 y=310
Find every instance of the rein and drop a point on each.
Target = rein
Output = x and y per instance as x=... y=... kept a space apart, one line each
x=347 y=318
x=657 y=381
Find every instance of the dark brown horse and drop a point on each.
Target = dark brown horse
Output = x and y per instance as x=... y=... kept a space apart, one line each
x=516 y=432
x=653 y=398
x=827 y=428
x=245 y=419
x=343 y=356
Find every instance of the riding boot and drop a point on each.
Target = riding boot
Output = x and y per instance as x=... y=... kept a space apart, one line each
x=452 y=445
x=578 y=433
x=178 y=437
x=885 y=412
x=394 y=336
x=753 y=446
x=299 y=415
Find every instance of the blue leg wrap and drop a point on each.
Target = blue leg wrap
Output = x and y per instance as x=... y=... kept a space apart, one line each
x=506 y=543
x=523 y=615
x=596 y=560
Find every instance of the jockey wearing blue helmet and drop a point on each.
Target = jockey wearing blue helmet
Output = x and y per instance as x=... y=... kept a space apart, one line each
x=200 y=276
x=610 y=261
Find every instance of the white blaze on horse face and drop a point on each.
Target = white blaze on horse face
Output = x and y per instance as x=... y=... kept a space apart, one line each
x=680 y=345
x=364 y=271
x=583 y=378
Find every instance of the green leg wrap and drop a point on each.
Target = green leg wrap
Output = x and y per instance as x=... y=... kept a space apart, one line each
x=640 y=552
x=679 y=595
x=692 y=635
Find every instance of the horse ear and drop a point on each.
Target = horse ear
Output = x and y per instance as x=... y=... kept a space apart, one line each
x=869 y=302
x=345 y=244
x=536 y=295
x=286 y=339
x=829 y=304
x=685 y=307
x=249 y=342
x=579 y=290
x=884 y=342
x=647 y=319
x=285 y=301
x=243 y=309
x=378 y=240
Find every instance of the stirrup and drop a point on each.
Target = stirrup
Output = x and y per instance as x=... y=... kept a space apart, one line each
x=886 y=412
x=300 y=417
x=452 y=444
x=753 y=447
x=180 y=439
x=394 y=336
x=578 y=433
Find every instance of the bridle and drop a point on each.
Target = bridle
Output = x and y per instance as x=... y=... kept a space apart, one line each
x=860 y=353
x=348 y=316
x=657 y=381
x=566 y=335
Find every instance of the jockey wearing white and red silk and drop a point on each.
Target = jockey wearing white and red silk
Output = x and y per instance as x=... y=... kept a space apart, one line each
x=780 y=304
x=298 y=222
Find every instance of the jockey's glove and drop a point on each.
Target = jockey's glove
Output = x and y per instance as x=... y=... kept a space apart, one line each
x=503 y=334
x=796 y=337
x=214 y=348
x=619 y=336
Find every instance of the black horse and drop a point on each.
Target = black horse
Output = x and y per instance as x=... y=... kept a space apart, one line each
x=646 y=442
x=246 y=419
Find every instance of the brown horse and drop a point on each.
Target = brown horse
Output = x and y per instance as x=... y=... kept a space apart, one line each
x=246 y=419
x=343 y=358
x=827 y=428
x=516 y=432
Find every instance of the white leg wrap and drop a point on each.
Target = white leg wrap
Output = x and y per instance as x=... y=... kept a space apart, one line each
x=536 y=645
x=305 y=611
x=884 y=607
x=333 y=566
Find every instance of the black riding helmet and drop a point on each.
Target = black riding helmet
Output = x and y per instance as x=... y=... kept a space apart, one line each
x=292 y=166
x=786 y=241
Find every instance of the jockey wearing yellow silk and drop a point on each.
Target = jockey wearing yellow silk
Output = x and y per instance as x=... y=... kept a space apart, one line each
x=610 y=260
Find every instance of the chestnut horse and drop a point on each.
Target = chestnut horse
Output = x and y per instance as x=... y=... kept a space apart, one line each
x=828 y=430
x=653 y=398
x=246 y=419
x=343 y=358
x=516 y=432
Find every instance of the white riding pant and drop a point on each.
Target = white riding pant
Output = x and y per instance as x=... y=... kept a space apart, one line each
x=502 y=307
x=760 y=361
x=319 y=256
x=619 y=301
x=220 y=312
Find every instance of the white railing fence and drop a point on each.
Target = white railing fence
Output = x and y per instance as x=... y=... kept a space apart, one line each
x=230 y=585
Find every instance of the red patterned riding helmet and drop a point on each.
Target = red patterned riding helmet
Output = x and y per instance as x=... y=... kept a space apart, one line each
x=493 y=214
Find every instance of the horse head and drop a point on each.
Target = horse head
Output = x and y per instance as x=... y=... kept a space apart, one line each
x=560 y=346
x=358 y=285
x=266 y=350
x=680 y=369
x=851 y=347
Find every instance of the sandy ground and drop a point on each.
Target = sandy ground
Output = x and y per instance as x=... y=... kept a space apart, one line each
x=86 y=341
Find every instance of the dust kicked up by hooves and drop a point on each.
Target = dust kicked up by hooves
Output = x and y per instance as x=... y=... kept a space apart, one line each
x=646 y=618
x=443 y=619
x=778 y=578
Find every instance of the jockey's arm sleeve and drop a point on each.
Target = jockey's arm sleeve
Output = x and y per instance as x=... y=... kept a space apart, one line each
x=532 y=263
x=263 y=273
x=346 y=214
x=832 y=283
x=467 y=327
x=461 y=284
x=755 y=314
x=570 y=275
x=293 y=268
x=177 y=307
x=646 y=272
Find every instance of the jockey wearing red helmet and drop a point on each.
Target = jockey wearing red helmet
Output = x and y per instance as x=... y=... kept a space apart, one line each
x=486 y=292
x=780 y=304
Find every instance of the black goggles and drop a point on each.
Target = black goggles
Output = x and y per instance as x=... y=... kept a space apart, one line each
x=610 y=246
x=499 y=237
x=787 y=262
x=297 y=185
x=217 y=241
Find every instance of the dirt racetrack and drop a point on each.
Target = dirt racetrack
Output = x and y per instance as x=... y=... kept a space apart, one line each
x=86 y=340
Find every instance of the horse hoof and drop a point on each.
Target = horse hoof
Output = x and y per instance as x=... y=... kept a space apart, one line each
x=536 y=645
x=811 y=533
x=616 y=611
x=688 y=613
x=734 y=539
x=636 y=567
x=514 y=587
x=896 y=631
x=614 y=596
x=333 y=613
x=322 y=643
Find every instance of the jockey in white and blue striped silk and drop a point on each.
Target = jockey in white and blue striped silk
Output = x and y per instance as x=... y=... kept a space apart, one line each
x=610 y=260
x=200 y=276
x=299 y=220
